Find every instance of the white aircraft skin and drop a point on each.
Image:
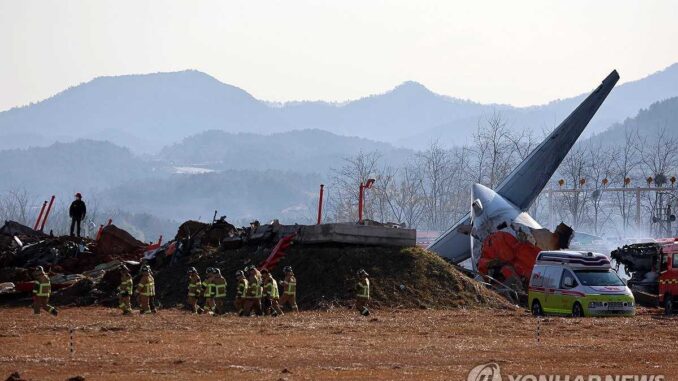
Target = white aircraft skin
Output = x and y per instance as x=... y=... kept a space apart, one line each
x=490 y=213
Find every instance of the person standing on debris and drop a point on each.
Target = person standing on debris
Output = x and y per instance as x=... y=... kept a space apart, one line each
x=194 y=288
x=362 y=292
x=146 y=290
x=208 y=291
x=271 y=295
x=42 y=288
x=289 y=286
x=125 y=291
x=219 y=291
x=241 y=293
x=77 y=212
x=254 y=291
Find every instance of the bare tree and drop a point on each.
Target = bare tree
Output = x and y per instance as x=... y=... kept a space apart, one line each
x=658 y=157
x=624 y=165
x=405 y=197
x=343 y=199
x=435 y=166
x=599 y=169
x=573 y=169
x=16 y=205
x=494 y=149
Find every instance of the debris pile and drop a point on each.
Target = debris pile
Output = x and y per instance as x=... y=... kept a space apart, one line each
x=85 y=272
x=74 y=264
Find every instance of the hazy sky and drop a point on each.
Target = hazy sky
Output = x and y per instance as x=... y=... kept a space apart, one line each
x=518 y=52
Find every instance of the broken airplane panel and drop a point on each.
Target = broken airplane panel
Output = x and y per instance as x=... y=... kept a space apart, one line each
x=510 y=238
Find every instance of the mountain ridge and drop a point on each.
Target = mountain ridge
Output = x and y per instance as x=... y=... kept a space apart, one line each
x=146 y=112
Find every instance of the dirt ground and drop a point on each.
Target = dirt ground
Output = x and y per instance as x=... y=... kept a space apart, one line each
x=339 y=344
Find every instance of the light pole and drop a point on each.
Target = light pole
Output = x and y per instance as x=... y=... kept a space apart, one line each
x=320 y=204
x=361 y=198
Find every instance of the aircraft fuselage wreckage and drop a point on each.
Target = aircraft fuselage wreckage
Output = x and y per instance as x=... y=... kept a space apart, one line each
x=500 y=230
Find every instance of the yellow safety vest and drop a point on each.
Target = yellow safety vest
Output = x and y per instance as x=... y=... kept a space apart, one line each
x=364 y=289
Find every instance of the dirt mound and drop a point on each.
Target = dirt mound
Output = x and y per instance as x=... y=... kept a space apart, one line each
x=408 y=277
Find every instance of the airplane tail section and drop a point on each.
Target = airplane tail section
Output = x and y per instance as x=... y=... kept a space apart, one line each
x=522 y=186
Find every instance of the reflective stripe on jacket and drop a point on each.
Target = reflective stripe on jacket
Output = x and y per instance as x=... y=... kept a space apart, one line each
x=253 y=290
x=209 y=288
x=291 y=287
x=42 y=288
x=271 y=289
x=126 y=285
x=194 y=287
x=242 y=289
x=147 y=288
x=220 y=288
x=363 y=289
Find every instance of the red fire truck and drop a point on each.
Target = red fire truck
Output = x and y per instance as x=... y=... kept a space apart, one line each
x=653 y=268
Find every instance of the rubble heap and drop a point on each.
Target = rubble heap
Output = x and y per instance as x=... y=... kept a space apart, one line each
x=85 y=272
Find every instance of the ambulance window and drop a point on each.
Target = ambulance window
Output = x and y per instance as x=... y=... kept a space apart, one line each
x=567 y=274
x=674 y=264
x=537 y=278
x=665 y=263
x=551 y=277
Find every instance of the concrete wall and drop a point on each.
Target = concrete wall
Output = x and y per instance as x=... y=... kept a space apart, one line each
x=350 y=233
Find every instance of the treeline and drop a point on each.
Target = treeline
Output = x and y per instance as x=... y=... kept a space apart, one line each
x=432 y=191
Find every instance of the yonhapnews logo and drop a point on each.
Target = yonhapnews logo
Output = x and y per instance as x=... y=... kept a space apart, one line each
x=485 y=372
x=491 y=372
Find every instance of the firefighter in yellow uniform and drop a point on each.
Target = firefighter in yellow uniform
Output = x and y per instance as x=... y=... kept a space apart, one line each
x=151 y=299
x=219 y=291
x=241 y=292
x=271 y=295
x=362 y=292
x=125 y=291
x=289 y=286
x=253 y=295
x=208 y=291
x=42 y=288
x=146 y=290
x=194 y=289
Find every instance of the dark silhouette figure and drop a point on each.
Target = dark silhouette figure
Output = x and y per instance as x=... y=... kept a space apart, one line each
x=77 y=213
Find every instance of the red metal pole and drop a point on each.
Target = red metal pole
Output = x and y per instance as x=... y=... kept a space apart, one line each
x=49 y=208
x=42 y=210
x=360 y=203
x=101 y=229
x=320 y=204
